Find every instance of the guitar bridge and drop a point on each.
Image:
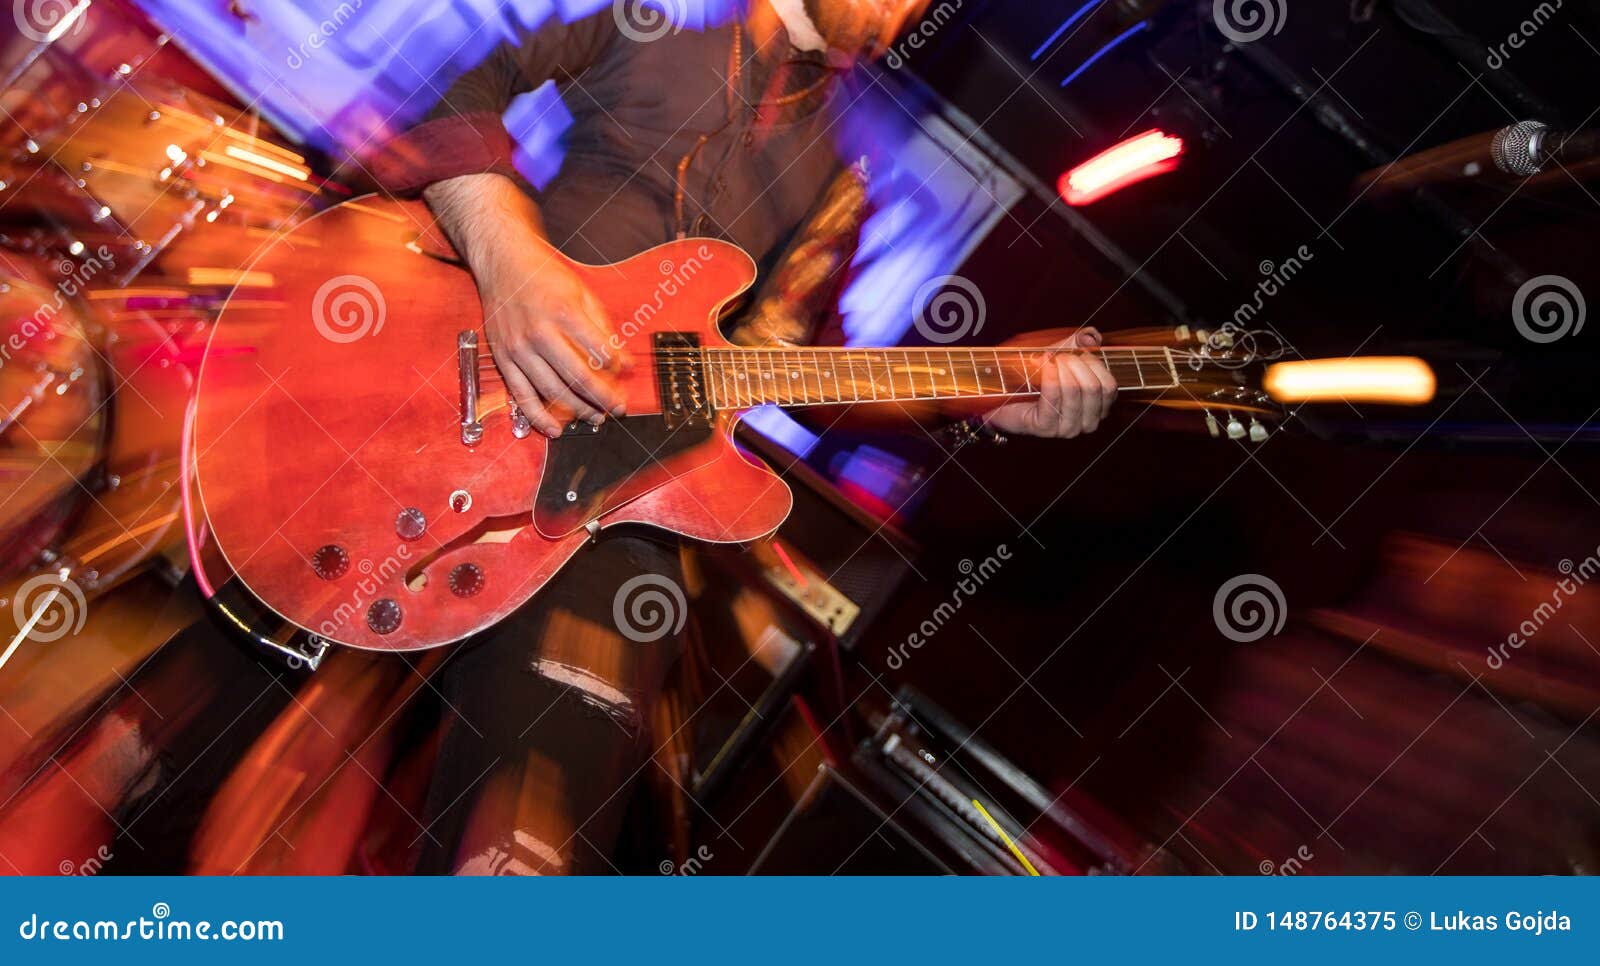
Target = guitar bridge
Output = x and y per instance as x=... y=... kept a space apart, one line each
x=681 y=384
x=467 y=364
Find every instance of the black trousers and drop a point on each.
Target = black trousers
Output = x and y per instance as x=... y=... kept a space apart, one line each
x=547 y=718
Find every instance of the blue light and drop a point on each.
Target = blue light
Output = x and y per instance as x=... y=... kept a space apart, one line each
x=1083 y=11
x=1108 y=48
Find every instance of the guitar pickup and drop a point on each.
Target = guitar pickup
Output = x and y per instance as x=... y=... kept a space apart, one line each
x=681 y=385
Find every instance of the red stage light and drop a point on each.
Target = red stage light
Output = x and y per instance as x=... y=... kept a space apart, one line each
x=1145 y=156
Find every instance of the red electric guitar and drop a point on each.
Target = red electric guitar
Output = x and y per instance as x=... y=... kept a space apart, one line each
x=363 y=473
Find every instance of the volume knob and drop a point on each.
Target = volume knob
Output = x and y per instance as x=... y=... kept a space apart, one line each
x=466 y=580
x=384 y=616
x=330 y=562
x=410 y=524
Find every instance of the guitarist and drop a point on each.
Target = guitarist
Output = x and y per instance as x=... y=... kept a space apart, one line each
x=722 y=131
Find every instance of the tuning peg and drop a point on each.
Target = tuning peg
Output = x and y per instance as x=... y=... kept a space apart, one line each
x=1235 y=428
x=1212 y=426
x=1258 y=432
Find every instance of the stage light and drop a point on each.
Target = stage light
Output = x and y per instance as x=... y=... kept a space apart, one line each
x=1145 y=156
x=1397 y=380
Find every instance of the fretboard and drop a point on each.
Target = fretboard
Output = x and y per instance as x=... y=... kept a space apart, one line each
x=740 y=378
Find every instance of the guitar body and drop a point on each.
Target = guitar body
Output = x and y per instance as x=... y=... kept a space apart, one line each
x=334 y=470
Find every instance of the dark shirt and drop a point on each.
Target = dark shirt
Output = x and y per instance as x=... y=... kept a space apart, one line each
x=639 y=109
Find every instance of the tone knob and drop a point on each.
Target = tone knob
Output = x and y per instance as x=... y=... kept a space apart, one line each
x=384 y=616
x=410 y=524
x=330 y=562
x=466 y=580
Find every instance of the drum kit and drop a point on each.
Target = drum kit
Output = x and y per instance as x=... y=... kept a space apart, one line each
x=132 y=189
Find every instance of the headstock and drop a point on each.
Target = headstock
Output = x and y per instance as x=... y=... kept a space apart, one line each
x=1220 y=374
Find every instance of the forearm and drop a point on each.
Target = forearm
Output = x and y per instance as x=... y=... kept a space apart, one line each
x=487 y=216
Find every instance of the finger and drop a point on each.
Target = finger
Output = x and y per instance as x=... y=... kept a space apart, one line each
x=523 y=395
x=562 y=402
x=595 y=390
x=1053 y=418
x=598 y=322
x=1089 y=391
x=1108 y=382
x=1089 y=337
x=594 y=339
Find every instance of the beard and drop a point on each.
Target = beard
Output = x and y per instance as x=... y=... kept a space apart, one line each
x=860 y=28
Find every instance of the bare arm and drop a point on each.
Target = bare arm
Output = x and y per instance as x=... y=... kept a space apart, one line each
x=549 y=335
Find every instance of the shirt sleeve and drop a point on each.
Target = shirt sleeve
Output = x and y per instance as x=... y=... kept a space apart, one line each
x=464 y=133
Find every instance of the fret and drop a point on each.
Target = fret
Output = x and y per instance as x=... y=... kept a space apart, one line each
x=888 y=365
x=797 y=375
x=1171 y=367
x=927 y=357
x=977 y=380
x=872 y=377
x=1001 y=370
x=1027 y=372
x=1138 y=369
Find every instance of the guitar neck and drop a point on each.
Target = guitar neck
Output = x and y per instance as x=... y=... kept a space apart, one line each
x=741 y=378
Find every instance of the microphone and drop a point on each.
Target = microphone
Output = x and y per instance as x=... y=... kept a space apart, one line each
x=1520 y=150
x=1527 y=148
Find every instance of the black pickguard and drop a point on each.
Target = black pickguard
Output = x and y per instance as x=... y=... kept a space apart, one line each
x=591 y=470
